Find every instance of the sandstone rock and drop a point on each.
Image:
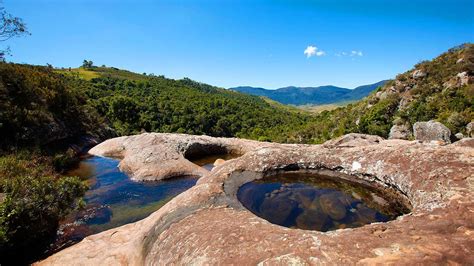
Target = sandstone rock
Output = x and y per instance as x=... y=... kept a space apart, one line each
x=353 y=140
x=312 y=220
x=465 y=142
x=277 y=208
x=463 y=78
x=208 y=225
x=400 y=132
x=417 y=74
x=459 y=135
x=331 y=205
x=378 y=95
x=470 y=129
x=156 y=156
x=431 y=131
x=219 y=162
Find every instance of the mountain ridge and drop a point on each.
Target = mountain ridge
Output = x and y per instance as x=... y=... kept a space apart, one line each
x=326 y=94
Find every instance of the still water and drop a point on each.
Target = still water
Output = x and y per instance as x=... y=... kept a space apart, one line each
x=314 y=202
x=114 y=200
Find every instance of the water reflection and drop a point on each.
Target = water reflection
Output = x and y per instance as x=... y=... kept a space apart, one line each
x=114 y=200
x=314 y=202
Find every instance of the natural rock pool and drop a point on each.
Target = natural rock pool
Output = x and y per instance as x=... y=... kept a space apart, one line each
x=316 y=202
x=114 y=200
x=207 y=162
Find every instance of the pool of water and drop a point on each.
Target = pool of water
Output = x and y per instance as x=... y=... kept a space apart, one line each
x=315 y=202
x=113 y=200
x=207 y=162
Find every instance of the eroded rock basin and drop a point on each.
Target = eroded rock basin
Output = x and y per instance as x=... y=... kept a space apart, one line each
x=313 y=201
x=207 y=224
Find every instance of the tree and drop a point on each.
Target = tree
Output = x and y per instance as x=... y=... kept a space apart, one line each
x=87 y=64
x=10 y=27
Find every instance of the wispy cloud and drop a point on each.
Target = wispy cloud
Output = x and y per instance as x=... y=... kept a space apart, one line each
x=351 y=53
x=313 y=51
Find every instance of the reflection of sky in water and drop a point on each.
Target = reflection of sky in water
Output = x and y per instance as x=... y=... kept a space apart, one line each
x=311 y=206
x=114 y=200
x=112 y=187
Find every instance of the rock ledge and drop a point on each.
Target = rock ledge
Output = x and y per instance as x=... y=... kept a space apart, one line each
x=208 y=225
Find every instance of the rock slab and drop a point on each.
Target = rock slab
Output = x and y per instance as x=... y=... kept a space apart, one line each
x=207 y=225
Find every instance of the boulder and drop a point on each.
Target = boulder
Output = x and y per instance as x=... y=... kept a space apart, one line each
x=463 y=78
x=431 y=131
x=417 y=74
x=332 y=206
x=459 y=135
x=219 y=162
x=470 y=129
x=400 y=132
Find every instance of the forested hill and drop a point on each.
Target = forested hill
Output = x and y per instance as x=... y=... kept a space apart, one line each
x=312 y=95
x=441 y=89
x=41 y=105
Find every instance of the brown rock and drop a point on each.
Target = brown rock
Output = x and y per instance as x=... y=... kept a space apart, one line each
x=400 y=132
x=219 y=162
x=208 y=225
x=156 y=156
x=431 y=131
x=353 y=140
x=417 y=74
x=331 y=205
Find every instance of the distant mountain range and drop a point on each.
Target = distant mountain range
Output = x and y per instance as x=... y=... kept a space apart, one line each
x=312 y=95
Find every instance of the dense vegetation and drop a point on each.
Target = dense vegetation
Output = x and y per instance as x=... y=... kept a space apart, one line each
x=39 y=111
x=33 y=199
x=134 y=103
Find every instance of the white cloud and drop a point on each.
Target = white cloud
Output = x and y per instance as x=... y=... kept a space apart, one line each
x=313 y=51
x=351 y=54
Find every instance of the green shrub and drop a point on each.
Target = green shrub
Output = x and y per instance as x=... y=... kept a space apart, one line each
x=34 y=201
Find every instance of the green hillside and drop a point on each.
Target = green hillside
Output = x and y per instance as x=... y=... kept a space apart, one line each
x=441 y=89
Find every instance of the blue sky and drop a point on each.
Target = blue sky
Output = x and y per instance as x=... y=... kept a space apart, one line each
x=257 y=43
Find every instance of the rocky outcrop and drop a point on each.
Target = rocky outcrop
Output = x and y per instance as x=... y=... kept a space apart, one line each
x=470 y=129
x=353 y=140
x=431 y=131
x=208 y=225
x=400 y=132
x=417 y=74
x=156 y=156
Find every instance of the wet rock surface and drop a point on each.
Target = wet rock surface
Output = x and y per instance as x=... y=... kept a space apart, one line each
x=208 y=225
